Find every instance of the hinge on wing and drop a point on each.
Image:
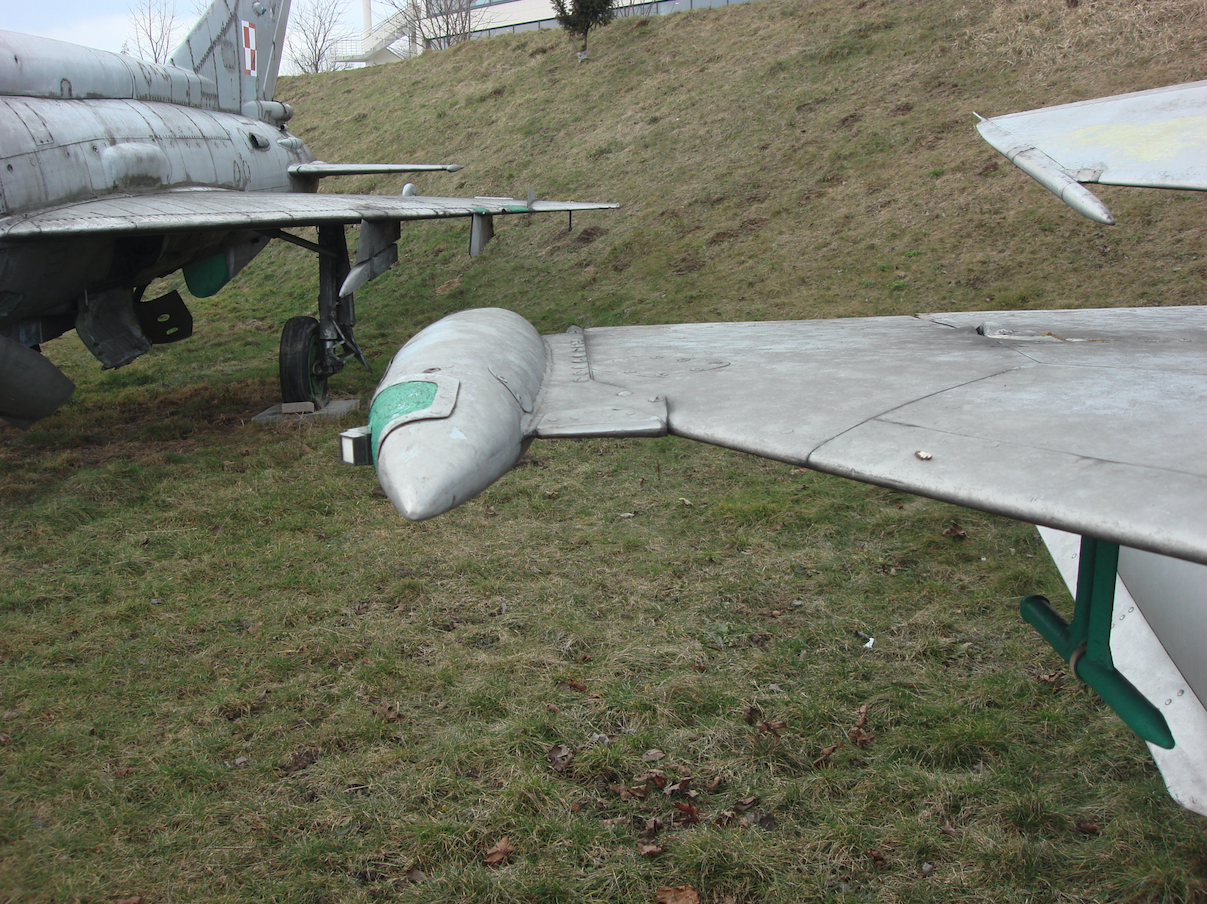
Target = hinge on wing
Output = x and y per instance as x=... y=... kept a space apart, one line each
x=573 y=404
x=1085 y=643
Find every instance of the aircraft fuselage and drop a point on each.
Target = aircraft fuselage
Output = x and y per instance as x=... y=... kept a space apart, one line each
x=64 y=150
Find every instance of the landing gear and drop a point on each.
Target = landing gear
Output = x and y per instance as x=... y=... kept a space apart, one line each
x=313 y=350
x=303 y=375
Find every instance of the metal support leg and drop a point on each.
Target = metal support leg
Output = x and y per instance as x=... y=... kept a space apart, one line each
x=481 y=231
x=1086 y=642
x=337 y=316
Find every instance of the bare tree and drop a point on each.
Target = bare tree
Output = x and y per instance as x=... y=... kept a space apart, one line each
x=153 y=29
x=314 y=30
x=647 y=8
x=436 y=24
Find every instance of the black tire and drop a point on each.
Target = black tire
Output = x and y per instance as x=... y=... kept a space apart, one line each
x=300 y=362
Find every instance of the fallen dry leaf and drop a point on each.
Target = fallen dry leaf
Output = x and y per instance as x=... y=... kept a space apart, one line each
x=499 y=853
x=774 y=726
x=861 y=738
x=689 y=813
x=652 y=756
x=679 y=787
x=653 y=826
x=676 y=894
x=389 y=712
x=1086 y=827
x=859 y=734
x=1056 y=679
x=649 y=850
x=827 y=753
x=625 y=792
x=560 y=757
x=655 y=777
x=746 y=803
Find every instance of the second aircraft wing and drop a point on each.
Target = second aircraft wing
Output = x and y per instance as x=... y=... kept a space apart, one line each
x=1151 y=139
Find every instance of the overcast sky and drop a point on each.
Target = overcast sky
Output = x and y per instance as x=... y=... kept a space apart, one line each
x=104 y=24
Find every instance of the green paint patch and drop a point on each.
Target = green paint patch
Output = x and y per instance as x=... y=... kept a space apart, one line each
x=206 y=277
x=396 y=401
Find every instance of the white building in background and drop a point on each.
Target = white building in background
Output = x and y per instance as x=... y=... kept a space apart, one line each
x=391 y=39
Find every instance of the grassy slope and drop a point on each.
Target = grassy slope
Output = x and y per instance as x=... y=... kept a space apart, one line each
x=228 y=673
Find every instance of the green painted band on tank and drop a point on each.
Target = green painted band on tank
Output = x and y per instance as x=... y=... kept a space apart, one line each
x=396 y=401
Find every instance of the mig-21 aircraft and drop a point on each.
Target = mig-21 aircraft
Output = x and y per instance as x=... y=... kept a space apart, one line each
x=1089 y=423
x=115 y=171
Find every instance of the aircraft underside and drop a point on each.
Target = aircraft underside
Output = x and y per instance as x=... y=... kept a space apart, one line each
x=51 y=288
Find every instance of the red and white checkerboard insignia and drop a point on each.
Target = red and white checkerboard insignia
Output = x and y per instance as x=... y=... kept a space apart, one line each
x=249 y=47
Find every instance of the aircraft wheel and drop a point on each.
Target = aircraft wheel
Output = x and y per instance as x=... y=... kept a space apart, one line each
x=301 y=362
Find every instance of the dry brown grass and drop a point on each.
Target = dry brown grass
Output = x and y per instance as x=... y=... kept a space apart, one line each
x=1043 y=37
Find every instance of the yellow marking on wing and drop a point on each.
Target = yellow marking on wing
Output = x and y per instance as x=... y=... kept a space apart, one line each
x=1146 y=141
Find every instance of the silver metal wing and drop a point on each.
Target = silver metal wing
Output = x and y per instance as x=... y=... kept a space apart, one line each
x=1091 y=421
x=1150 y=139
x=198 y=209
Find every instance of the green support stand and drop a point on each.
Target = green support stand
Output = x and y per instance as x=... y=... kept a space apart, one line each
x=1086 y=642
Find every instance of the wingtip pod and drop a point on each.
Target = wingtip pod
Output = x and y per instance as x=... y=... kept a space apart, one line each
x=447 y=418
x=1046 y=171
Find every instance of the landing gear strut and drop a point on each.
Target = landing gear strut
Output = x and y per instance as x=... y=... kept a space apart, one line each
x=313 y=350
